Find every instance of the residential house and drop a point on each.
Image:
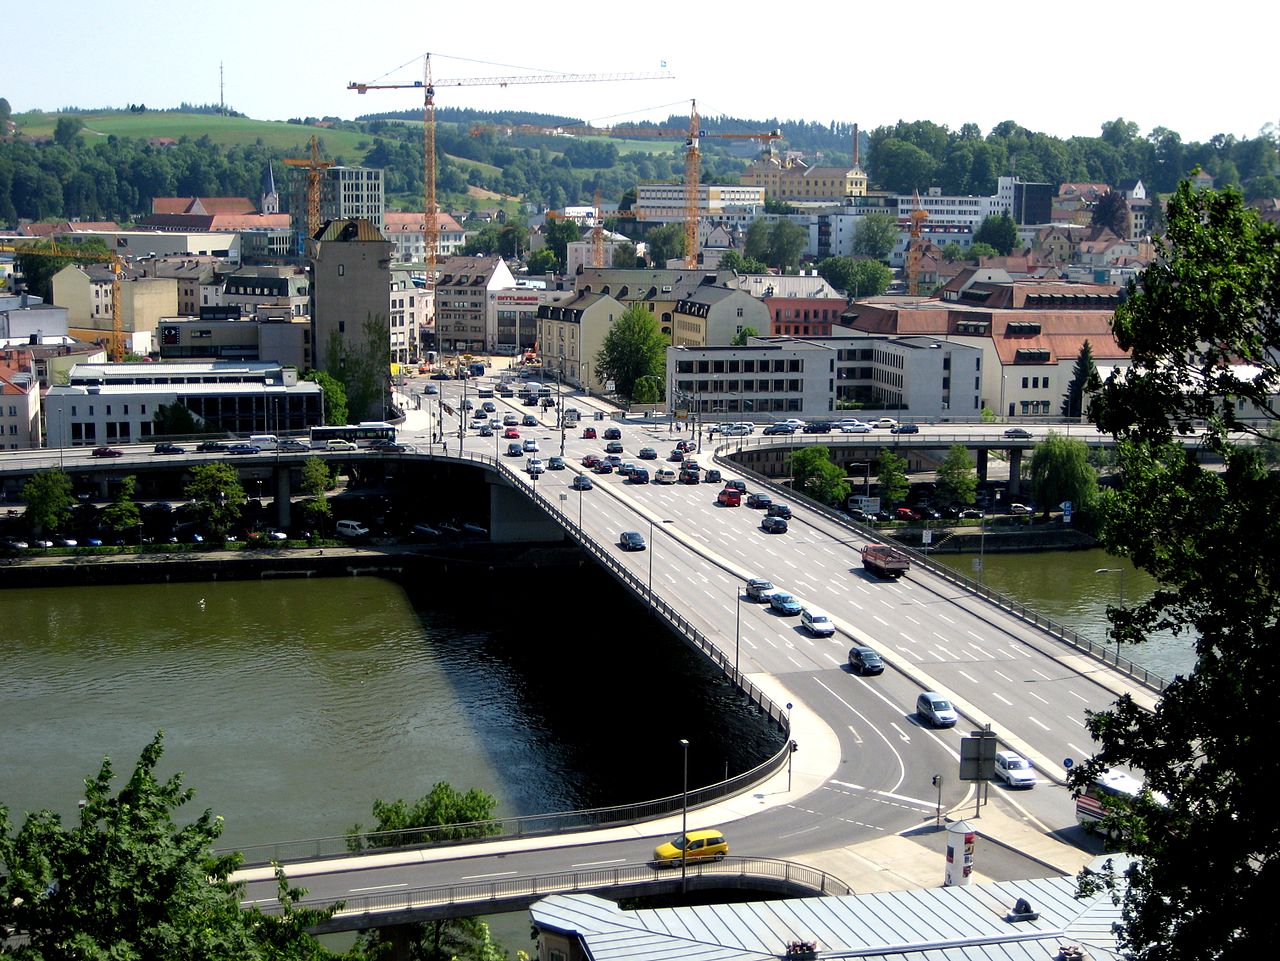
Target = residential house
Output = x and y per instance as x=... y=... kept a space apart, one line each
x=571 y=333
x=464 y=289
x=713 y=315
x=86 y=291
x=801 y=305
x=406 y=230
x=19 y=400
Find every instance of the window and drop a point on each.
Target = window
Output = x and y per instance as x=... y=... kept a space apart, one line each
x=342 y=270
x=1024 y=383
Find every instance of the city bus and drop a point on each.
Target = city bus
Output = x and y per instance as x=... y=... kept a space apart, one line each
x=1091 y=806
x=362 y=434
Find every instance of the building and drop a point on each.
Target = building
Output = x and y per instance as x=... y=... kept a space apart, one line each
x=86 y=291
x=222 y=334
x=802 y=305
x=130 y=244
x=199 y=283
x=19 y=400
x=579 y=253
x=515 y=316
x=117 y=403
x=406 y=230
x=203 y=206
x=346 y=193
x=659 y=290
x=791 y=180
x=409 y=315
x=351 y=275
x=572 y=333
x=268 y=291
x=465 y=287
x=711 y=314
x=664 y=203
x=23 y=317
x=53 y=357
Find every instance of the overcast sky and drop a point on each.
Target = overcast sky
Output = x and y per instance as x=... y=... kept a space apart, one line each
x=1063 y=69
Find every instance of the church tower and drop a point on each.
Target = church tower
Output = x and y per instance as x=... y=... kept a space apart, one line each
x=270 y=198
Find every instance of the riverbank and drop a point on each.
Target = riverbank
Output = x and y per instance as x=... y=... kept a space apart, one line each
x=1049 y=537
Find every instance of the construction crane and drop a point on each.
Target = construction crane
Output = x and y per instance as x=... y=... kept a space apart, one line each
x=918 y=216
x=431 y=225
x=116 y=345
x=313 y=165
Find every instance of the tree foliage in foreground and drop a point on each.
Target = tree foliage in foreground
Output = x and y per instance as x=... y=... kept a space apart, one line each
x=1210 y=853
x=891 y=473
x=1060 y=471
x=957 y=476
x=813 y=474
x=633 y=348
x=49 y=501
x=217 y=496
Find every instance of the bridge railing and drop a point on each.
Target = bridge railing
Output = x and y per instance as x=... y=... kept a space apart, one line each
x=542 y=825
x=525 y=890
x=1103 y=652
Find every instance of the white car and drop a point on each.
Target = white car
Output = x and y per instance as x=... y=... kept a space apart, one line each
x=531 y=446
x=535 y=466
x=795 y=422
x=1015 y=770
x=857 y=427
x=885 y=423
x=816 y=622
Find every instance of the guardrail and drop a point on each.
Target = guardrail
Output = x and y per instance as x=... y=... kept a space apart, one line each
x=542 y=825
x=1104 y=653
x=490 y=896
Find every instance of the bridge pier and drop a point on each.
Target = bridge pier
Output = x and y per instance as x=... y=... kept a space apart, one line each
x=1015 y=472
x=514 y=518
x=982 y=464
x=282 y=497
x=104 y=491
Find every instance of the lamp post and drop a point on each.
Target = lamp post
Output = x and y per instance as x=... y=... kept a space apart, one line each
x=737 y=630
x=791 y=747
x=1002 y=379
x=1120 y=571
x=684 y=817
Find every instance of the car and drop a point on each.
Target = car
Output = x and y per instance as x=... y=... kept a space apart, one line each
x=582 y=482
x=1017 y=433
x=613 y=460
x=780 y=510
x=773 y=525
x=612 y=433
x=780 y=602
x=588 y=433
x=531 y=446
x=272 y=534
x=442 y=375
x=603 y=467
x=488 y=407
x=504 y=390
x=685 y=446
x=529 y=421
x=691 y=846
x=759 y=589
x=530 y=401
x=42 y=543
x=864 y=660
x=729 y=498
x=664 y=475
x=934 y=709
x=613 y=447
x=639 y=476
x=817 y=427
x=773 y=429
x=905 y=514
x=468 y=405
x=167 y=448
x=485 y=431
x=548 y=402
x=816 y=622
x=647 y=453
x=238 y=449
x=631 y=541
x=390 y=446
x=66 y=542
x=107 y=452
x=93 y=542
x=339 y=444
x=739 y=485
x=858 y=428
x=350 y=529
x=711 y=476
x=510 y=420
x=510 y=433
x=210 y=446
x=295 y=446
x=927 y=513
x=590 y=460
x=688 y=476
x=626 y=468
x=14 y=544
x=535 y=466
x=555 y=462
x=969 y=514
x=676 y=456
x=884 y=423
x=759 y=501
x=515 y=450
x=905 y=429
x=1019 y=509
x=1015 y=770
x=691 y=463
x=431 y=390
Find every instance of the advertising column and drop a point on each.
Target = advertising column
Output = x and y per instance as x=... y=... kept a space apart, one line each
x=960 y=839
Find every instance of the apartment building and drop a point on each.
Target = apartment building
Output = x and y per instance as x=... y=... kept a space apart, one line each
x=19 y=400
x=406 y=230
x=465 y=287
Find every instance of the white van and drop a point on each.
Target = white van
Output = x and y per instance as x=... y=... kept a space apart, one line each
x=351 y=529
x=265 y=441
x=664 y=475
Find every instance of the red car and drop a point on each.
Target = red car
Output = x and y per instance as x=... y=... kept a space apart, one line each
x=905 y=514
x=590 y=460
x=510 y=434
x=588 y=433
x=107 y=452
x=729 y=497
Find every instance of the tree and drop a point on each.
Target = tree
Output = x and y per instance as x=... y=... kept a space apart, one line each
x=999 y=232
x=122 y=514
x=813 y=474
x=217 y=496
x=870 y=278
x=891 y=472
x=875 y=236
x=957 y=479
x=634 y=347
x=623 y=255
x=979 y=250
x=316 y=481
x=837 y=271
x=1060 y=471
x=558 y=235
x=665 y=243
x=175 y=420
x=1199 y=325
x=953 y=252
x=6 y=113
x=48 y=499
x=740 y=338
x=901 y=167
x=1111 y=211
x=335 y=396
x=66 y=132
x=732 y=260
x=542 y=261
x=649 y=390
x=1084 y=377
x=787 y=241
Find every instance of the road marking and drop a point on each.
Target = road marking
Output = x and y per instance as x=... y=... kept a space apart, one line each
x=907 y=637
x=972 y=634
x=788 y=563
x=794 y=661
x=383 y=887
x=901 y=733
x=802 y=831
x=907 y=800
x=596 y=864
x=968 y=677
x=1004 y=676
x=1076 y=720
x=1079 y=750
x=477 y=877
x=1003 y=653
x=1080 y=696
x=1037 y=723
x=880 y=619
x=943 y=617
x=979 y=649
x=912 y=620
x=939 y=636
x=857 y=738
x=1037 y=697
x=1042 y=674
x=1008 y=702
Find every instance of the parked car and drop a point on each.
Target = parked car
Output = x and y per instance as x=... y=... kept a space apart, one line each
x=168 y=448
x=816 y=622
x=780 y=602
x=350 y=529
x=905 y=514
x=773 y=525
x=759 y=589
x=780 y=510
x=107 y=452
x=691 y=846
x=582 y=482
x=647 y=453
x=729 y=498
x=612 y=433
x=934 y=709
x=905 y=429
x=1013 y=508
x=589 y=433
x=864 y=660
x=631 y=541
x=1017 y=433
x=759 y=500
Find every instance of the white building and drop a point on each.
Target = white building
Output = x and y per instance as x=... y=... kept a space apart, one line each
x=409 y=314
x=664 y=203
x=406 y=230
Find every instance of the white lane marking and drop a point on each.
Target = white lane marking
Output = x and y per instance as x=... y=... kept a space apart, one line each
x=1003 y=653
x=943 y=617
x=1037 y=723
x=794 y=661
x=1080 y=696
x=381 y=887
x=908 y=800
x=912 y=620
x=1076 y=720
x=901 y=733
x=1037 y=697
x=902 y=767
x=802 y=831
x=477 y=877
x=857 y=738
x=941 y=637
x=834 y=660
x=1003 y=676
x=1042 y=674
x=880 y=619
x=1079 y=750
x=907 y=637
x=1008 y=702
x=973 y=634
x=968 y=677
x=789 y=564
x=979 y=649
x=596 y=864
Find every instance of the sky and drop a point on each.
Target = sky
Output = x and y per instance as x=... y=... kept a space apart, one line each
x=1057 y=68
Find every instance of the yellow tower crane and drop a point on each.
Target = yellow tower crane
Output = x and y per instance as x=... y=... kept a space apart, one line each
x=115 y=345
x=918 y=216
x=313 y=165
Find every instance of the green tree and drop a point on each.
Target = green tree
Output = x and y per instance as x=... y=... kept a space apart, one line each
x=891 y=472
x=649 y=390
x=953 y=252
x=665 y=243
x=66 y=132
x=1060 y=471
x=175 y=420
x=875 y=236
x=813 y=474
x=558 y=235
x=624 y=255
x=787 y=240
x=122 y=513
x=335 y=396
x=1084 y=377
x=1199 y=326
x=1111 y=211
x=732 y=260
x=957 y=478
x=838 y=272
x=998 y=232
x=979 y=250
x=756 y=244
x=740 y=338
x=217 y=496
x=870 y=278
x=6 y=113
x=634 y=347
x=48 y=498
x=316 y=482
x=542 y=261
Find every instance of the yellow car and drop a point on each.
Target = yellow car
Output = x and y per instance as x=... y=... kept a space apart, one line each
x=696 y=846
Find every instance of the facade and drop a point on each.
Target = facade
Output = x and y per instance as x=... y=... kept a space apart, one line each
x=129 y=244
x=465 y=286
x=802 y=305
x=409 y=315
x=571 y=333
x=278 y=340
x=53 y=357
x=346 y=193
x=197 y=277
x=663 y=203
x=712 y=315
x=117 y=403
x=85 y=290
x=406 y=230
x=268 y=291
x=658 y=289
x=793 y=181
x=515 y=317
x=19 y=400
x=22 y=318
x=350 y=274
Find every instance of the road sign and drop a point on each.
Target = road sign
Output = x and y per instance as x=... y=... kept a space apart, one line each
x=978 y=756
x=1067 y=763
x=926 y=537
x=1066 y=512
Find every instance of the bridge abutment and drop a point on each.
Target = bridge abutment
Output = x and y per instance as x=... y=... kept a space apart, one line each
x=982 y=464
x=282 y=497
x=1015 y=472
x=514 y=518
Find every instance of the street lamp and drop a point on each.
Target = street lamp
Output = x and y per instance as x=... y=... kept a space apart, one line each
x=1120 y=571
x=737 y=630
x=684 y=818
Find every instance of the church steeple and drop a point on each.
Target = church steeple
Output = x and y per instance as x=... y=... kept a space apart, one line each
x=270 y=198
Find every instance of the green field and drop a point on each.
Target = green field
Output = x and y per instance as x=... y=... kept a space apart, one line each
x=228 y=131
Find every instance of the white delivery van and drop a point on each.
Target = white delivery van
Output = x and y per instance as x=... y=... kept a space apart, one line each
x=265 y=441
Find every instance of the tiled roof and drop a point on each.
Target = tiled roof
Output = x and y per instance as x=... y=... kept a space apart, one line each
x=409 y=221
x=344 y=231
